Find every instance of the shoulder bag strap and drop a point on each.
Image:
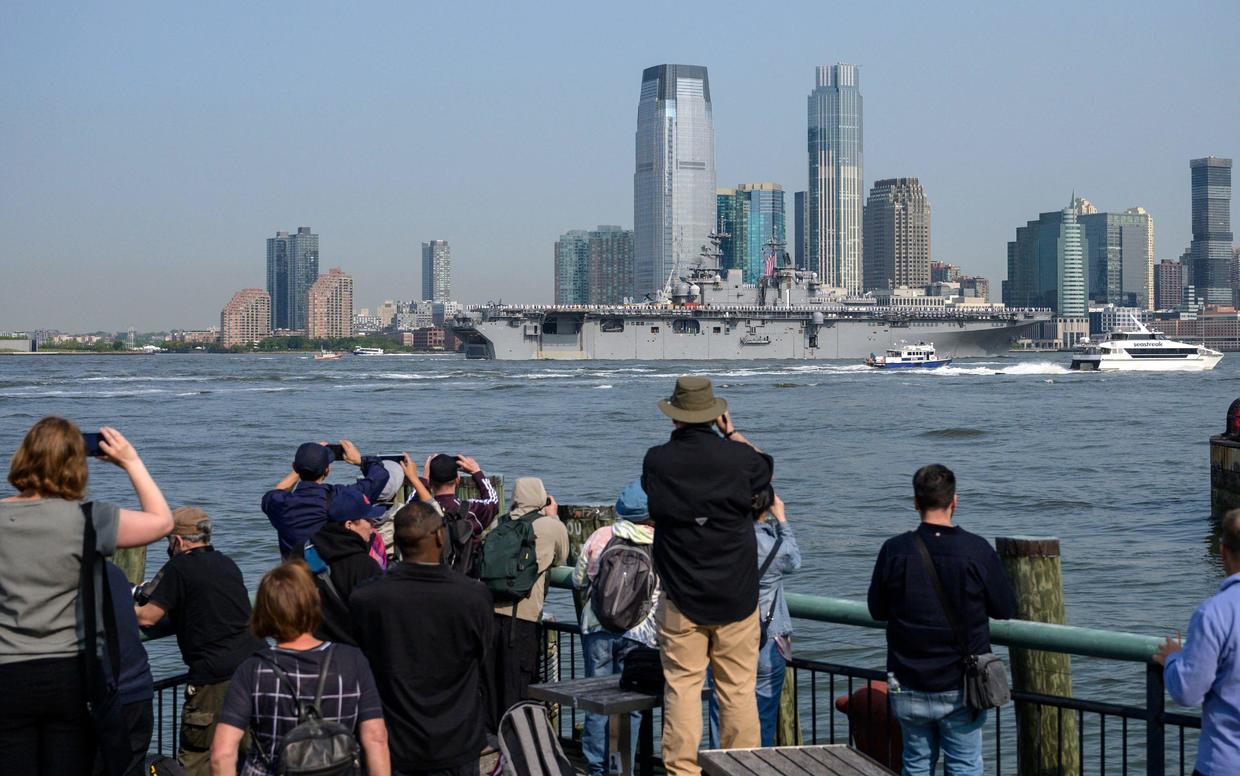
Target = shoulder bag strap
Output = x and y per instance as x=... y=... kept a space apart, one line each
x=269 y=658
x=92 y=563
x=766 y=564
x=938 y=589
x=318 y=695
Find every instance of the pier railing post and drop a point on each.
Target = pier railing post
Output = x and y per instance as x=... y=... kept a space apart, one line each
x=1155 y=728
x=1047 y=740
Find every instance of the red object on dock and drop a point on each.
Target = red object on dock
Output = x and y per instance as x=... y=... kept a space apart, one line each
x=1233 y=420
x=874 y=731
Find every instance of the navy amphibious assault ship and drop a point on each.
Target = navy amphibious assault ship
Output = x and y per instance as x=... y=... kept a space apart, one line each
x=709 y=314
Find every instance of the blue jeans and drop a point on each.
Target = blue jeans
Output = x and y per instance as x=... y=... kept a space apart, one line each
x=771 y=672
x=930 y=721
x=604 y=655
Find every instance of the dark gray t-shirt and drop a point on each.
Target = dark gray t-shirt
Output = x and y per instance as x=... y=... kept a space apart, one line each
x=40 y=571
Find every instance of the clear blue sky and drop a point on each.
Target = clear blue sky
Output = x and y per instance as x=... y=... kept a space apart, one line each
x=147 y=149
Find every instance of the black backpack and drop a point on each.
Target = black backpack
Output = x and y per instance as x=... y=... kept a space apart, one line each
x=315 y=747
x=623 y=589
x=459 y=550
x=509 y=562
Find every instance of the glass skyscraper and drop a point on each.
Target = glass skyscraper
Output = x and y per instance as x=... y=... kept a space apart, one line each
x=674 y=176
x=800 y=220
x=1119 y=257
x=436 y=271
x=1211 y=245
x=292 y=267
x=752 y=214
x=835 y=177
x=572 y=268
x=1046 y=265
x=594 y=267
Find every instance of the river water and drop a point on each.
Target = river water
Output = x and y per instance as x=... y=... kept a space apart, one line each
x=1116 y=466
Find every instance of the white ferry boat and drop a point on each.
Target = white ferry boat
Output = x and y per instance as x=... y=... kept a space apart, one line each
x=360 y=351
x=919 y=356
x=1141 y=350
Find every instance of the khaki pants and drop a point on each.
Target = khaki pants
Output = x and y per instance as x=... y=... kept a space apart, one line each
x=198 y=717
x=731 y=652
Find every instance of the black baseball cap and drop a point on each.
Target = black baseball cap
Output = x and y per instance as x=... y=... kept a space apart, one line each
x=443 y=468
x=312 y=460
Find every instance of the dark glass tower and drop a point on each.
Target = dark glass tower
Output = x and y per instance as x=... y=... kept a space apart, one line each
x=1211 y=246
x=292 y=267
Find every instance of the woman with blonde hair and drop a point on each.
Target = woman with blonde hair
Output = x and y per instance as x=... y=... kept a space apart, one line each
x=44 y=723
x=271 y=688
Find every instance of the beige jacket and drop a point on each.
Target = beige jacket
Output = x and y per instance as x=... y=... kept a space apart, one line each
x=551 y=544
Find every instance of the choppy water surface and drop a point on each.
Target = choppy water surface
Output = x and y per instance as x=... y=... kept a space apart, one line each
x=1117 y=466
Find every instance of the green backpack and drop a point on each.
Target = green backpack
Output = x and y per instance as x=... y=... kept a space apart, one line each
x=508 y=565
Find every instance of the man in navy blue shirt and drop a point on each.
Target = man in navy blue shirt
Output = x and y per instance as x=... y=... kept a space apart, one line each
x=924 y=664
x=1206 y=670
x=135 y=686
x=297 y=506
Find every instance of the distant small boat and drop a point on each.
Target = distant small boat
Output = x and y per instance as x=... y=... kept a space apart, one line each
x=325 y=355
x=919 y=356
x=360 y=351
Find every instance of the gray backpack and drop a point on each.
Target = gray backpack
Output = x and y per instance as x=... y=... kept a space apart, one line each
x=315 y=747
x=623 y=589
x=528 y=745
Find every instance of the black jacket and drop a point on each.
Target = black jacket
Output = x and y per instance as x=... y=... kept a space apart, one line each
x=348 y=561
x=425 y=630
x=921 y=649
x=700 y=487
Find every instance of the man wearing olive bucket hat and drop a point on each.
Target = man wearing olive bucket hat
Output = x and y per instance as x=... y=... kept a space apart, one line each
x=701 y=486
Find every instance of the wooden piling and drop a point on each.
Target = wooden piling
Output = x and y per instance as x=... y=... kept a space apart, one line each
x=1047 y=741
x=132 y=561
x=1224 y=475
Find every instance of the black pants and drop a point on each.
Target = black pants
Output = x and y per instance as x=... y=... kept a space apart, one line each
x=512 y=665
x=140 y=721
x=44 y=724
x=468 y=769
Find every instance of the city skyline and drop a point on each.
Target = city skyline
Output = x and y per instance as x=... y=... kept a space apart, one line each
x=113 y=139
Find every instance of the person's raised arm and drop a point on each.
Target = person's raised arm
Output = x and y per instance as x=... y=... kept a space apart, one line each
x=411 y=476
x=224 y=748
x=789 y=558
x=374 y=737
x=136 y=528
x=288 y=482
x=1189 y=669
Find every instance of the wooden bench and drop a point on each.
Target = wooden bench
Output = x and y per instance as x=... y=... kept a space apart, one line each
x=602 y=695
x=834 y=760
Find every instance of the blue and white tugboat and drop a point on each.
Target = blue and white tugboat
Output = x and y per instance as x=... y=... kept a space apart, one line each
x=919 y=356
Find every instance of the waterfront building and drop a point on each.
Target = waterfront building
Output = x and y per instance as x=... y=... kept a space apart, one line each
x=897 y=235
x=1046 y=265
x=1235 y=276
x=436 y=271
x=1168 y=284
x=800 y=239
x=974 y=286
x=386 y=312
x=611 y=265
x=674 y=174
x=835 y=177
x=750 y=217
x=594 y=267
x=1106 y=318
x=330 y=306
x=246 y=318
x=1119 y=256
x=365 y=323
x=292 y=267
x=572 y=268
x=1211 y=247
x=942 y=272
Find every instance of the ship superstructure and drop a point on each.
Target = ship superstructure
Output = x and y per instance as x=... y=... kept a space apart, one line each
x=712 y=314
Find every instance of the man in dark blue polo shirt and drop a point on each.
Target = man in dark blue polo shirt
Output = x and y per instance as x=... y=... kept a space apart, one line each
x=925 y=667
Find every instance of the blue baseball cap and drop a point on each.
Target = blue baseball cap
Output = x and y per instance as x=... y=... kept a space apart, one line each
x=352 y=504
x=312 y=460
x=632 y=504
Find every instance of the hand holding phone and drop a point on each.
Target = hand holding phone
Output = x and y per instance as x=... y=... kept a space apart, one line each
x=92 y=439
x=336 y=450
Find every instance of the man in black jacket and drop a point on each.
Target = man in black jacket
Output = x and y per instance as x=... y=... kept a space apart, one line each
x=339 y=557
x=425 y=629
x=701 y=487
x=924 y=660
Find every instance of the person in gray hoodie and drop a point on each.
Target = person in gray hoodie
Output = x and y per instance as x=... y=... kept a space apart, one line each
x=605 y=651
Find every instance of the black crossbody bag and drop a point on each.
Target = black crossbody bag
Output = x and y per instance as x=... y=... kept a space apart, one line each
x=985 y=677
x=102 y=693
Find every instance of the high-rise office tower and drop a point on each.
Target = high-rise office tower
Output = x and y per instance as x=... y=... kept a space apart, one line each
x=1046 y=265
x=436 y=271
x=246 y=318
x=1119 y=256
x=292 y=267
x=1211 y=246
x=572 y=267
x=1168 y=284
x=800 y=230
x=752 y=216
x=897 y=235
x=594 y=267
x=330 y=306
x=835 y=177
x=674 y=177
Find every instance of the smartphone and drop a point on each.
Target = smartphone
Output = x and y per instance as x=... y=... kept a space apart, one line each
x=391 y=457
x=92 y=440
x=337 y=452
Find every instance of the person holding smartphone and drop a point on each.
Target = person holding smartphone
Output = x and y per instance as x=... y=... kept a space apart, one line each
x=297 y=506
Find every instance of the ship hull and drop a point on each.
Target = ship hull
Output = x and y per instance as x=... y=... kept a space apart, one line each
x=729 y=339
